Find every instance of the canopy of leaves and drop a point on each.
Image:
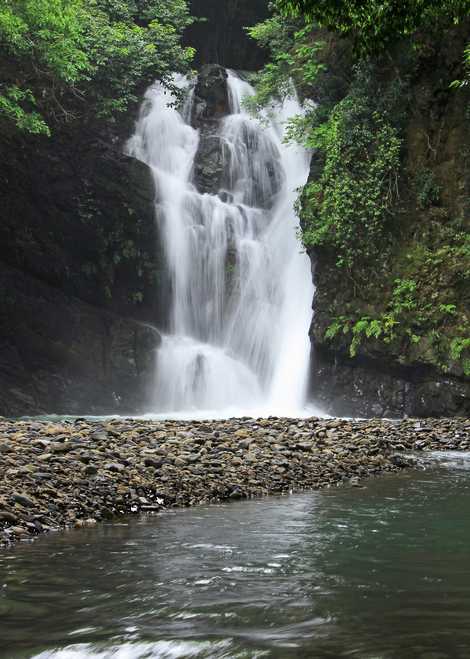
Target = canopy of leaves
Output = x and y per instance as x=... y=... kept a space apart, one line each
x=375 y=24
x=94 y=55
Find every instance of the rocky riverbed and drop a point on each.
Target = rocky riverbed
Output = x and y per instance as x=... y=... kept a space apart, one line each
x=78 y=472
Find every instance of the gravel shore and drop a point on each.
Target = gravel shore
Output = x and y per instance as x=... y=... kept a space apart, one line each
x=76 y=473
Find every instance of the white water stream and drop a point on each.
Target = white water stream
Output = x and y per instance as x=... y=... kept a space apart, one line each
x=241 y=286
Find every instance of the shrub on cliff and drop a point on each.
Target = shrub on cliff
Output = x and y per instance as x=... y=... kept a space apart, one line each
x=349 y=207
x=374 y=25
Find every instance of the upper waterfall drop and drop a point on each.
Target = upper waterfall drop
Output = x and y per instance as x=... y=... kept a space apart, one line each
x=241 y=287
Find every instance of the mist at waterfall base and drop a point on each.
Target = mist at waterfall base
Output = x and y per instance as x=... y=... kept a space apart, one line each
x=241 y=286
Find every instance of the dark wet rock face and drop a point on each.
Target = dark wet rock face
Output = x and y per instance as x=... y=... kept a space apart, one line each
x=62 y=355
x=209 y=164
x=221 y=37
x=76 y=473
x=211 y=105
x=211 y=100
x=80 y=272
x=369 y=388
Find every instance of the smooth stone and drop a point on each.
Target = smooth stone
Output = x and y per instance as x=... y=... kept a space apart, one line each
x=115 y=467
x=6 y=516
x=100 y=435
x=23 y=500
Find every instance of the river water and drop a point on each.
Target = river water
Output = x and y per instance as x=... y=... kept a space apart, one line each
x=378 y=572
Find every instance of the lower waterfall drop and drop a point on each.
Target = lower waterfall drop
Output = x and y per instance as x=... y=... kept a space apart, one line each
x=241 y=286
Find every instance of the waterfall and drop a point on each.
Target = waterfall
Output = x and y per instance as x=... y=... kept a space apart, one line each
x=241 y=286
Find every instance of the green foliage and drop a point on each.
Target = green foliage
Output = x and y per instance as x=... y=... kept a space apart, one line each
x=425 y=315
x=136 y=297
x=13 y=105
x=50 y=31
x=374 y=25
x=348 y=206
x=63 y=57
x=428 y=191
x=294 y=59
x=385 y=327
x=466 y=63
x=460 y=351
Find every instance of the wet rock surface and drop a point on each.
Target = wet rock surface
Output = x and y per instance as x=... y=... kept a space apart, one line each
x=79 y=261
x=368 y=387
x=221 y=37
x=59 y=354
x=78 y=472
x=211 y=99
x=210 y=106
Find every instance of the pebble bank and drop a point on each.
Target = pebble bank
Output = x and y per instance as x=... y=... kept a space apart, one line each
x=78 y=472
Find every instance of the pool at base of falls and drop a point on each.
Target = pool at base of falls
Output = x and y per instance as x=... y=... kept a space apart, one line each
x=381 y=571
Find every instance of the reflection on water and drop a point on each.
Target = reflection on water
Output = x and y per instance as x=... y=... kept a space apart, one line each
x=377 y=572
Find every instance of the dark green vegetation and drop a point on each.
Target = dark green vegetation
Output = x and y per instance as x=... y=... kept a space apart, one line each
x=386 y=209
x=373 y=25
x=63 y=59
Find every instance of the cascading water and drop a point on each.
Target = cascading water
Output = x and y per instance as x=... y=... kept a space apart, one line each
x=241 y=286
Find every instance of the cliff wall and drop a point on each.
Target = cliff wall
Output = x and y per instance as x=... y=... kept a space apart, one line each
x=219 y=35
x=79 y=270
x=419 y=281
